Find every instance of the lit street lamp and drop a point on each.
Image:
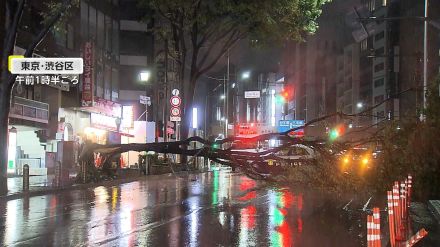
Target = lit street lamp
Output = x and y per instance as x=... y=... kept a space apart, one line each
x=359 y=105
x=144 y=76
x=245 y=75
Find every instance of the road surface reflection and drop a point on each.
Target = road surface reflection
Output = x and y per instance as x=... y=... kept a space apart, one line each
x=210 y=209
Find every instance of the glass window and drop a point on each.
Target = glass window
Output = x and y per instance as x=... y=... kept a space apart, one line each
x=107 y=82
x=100 y=29
x=283 y=152
x=108 y=33
x=115 y=35
x=92 y=23
x=84 y=19
x=99 y=80
x=115 y=84
x=379 y=82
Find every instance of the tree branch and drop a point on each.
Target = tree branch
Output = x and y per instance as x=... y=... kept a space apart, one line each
x=39 y=38
x=12 y=28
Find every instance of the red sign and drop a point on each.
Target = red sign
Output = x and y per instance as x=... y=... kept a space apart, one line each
x=106 y=107
x=87 y=88
x=175 y=101
x=170 y=131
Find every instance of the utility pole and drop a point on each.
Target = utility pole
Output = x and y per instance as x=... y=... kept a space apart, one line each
x=227 y=99
x=225 y=107
x=165 y=101
x=425 y=57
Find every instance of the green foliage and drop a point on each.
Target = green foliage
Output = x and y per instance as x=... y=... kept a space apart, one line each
x=408 y=146
x=326 y=175
x=414 y=148
x=63 y=8
x=433 y=110
x=263 y=20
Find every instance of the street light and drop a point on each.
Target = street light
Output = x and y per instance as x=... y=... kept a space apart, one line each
x=359 y=105
x=222 y=96
x=144 y=76
x=245 y=75
x=194 y=118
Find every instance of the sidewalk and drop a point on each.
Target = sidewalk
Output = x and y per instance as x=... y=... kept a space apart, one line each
x=42 y=185
x=15 y=184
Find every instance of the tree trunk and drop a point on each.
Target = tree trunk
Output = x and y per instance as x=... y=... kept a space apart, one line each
x=3 y=106
x=5 y=96
x=187 y=103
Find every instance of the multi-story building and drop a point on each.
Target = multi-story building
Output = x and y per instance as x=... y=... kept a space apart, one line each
x=49 y=120
x=364 y=53
x=324 y=70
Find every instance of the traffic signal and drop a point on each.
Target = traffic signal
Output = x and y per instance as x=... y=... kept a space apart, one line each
x=336 y=132
x=280 y=99
x=285 y=95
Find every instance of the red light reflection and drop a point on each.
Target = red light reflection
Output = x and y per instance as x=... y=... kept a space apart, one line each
x=247 y=184
x=300 y=224
x=300 y=202
x=284 y=230
x=248 y=217
x=248 y=196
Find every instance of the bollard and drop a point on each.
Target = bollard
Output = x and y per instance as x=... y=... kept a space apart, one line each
x=84 y=172
x=58 y=174
x=26 y=177
x=148 y=163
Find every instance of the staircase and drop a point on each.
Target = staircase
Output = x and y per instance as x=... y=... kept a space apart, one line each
x=31 y=153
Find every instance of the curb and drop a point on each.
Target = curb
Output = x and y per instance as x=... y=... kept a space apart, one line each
x=52 y=190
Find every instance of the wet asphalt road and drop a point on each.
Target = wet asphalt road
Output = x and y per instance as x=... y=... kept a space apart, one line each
x=210 y=209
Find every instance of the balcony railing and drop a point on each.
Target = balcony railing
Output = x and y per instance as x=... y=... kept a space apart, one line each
x=30 y=110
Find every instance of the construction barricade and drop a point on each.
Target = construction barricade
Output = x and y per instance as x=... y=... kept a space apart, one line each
x=398 y=203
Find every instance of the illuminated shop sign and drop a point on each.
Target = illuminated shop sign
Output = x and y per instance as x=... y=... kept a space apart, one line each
x=103 y=122
x=127 y=116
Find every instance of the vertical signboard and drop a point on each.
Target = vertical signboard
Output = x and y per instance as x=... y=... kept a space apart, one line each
x=87 y=87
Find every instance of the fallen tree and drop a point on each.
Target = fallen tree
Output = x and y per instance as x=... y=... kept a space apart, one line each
x=320 y=172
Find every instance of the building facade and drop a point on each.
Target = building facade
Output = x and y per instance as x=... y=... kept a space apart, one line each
x=363 y=55
x=52 y=121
